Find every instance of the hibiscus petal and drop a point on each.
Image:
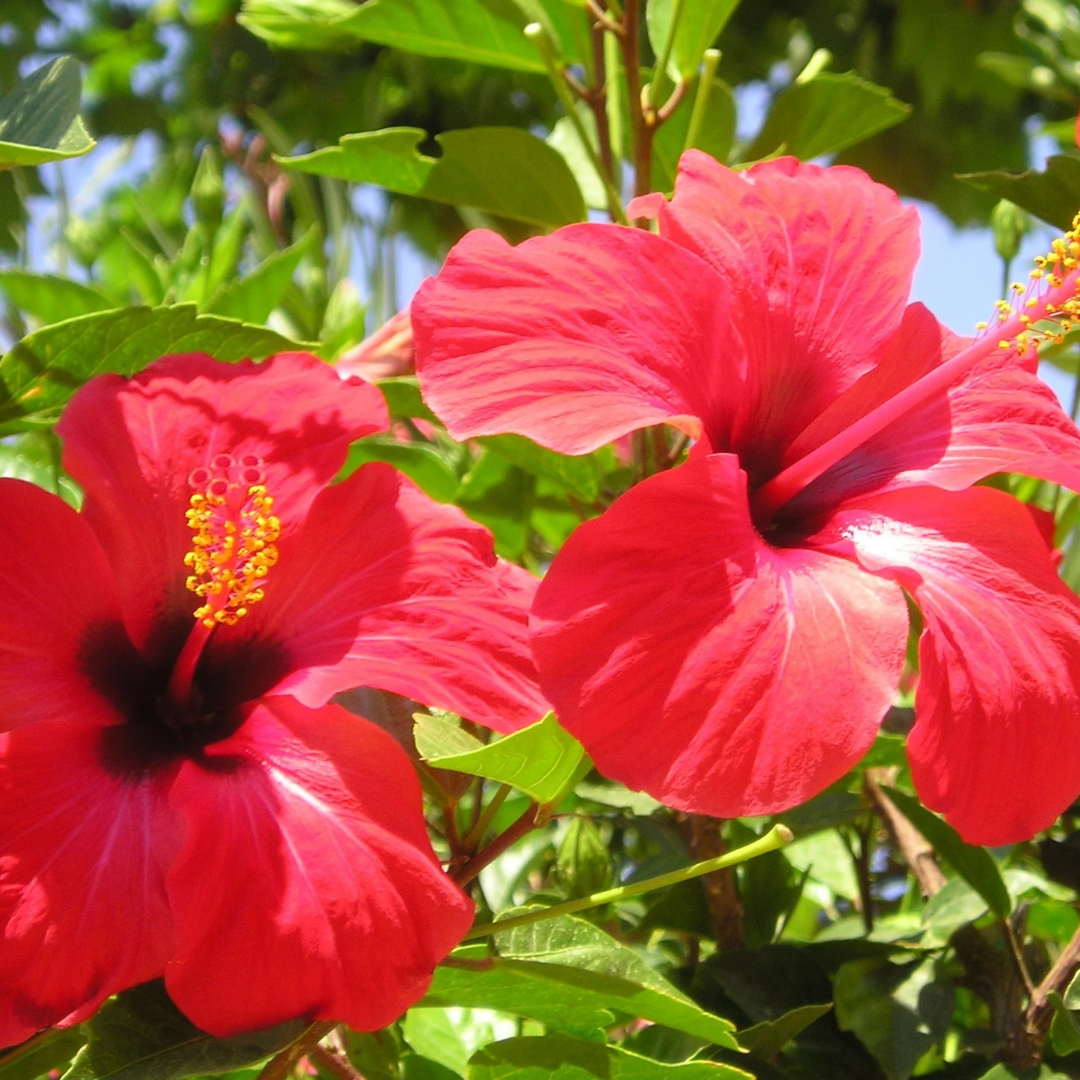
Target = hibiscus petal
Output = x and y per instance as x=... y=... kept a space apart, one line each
x=574 y=339
x=403 y=594
x=306 y=885
x=83 y=912
x=132 y=444
x=821 y=263
x=695 y=661
x=997 y=417
x=996 y=744
x=58 y=594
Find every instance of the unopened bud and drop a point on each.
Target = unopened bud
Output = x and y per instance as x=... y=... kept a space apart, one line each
x=1010 y=225
x=208 y=190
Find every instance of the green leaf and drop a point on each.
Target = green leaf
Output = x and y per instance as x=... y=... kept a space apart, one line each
x=252 y=298
x=35 y=458
x=1053 y=195
x=1064 y=1029
x=580 y=475
x=500 y=170
x=559 y=1057
x=50 y=299
x=40 y=1055
x=430 y=1033
x=956 y=904
x=542 y=760
x=403 y=398
x=898 y=1011
x=481 y=31
x=1006 y=1072
x=825 y=114
x=974 y=864
x=419 y=462
x=141 y=1035
x=584 y=959
x=771 y=1036
x=699 y=26
x=43 y=370
x=39 y=119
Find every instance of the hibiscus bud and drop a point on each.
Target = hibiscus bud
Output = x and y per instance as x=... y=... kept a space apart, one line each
x=583 y=864
x=208 y=190
x=1010 y=225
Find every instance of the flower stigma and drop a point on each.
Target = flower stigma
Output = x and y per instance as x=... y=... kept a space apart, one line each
x=234 y=544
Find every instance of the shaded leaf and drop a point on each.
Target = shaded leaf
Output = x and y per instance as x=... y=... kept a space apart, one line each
x=771 y=1036
x=559 y=1057
x=1053 y=195
x=825 y=114
x=41 y=1054
x=1064 y=1029
x=898 y=1011
x=542 y=759
x=141 y=1035
x=499 y=170
x=715 y=133
x=35 y=458
x=39 y=119
x=580 y=475
x=403 y=398
x=43 y=370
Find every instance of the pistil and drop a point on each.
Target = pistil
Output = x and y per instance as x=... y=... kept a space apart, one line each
x=232 y=552
x=1015 y=329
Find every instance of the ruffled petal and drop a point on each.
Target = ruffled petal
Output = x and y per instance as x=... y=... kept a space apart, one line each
x=306 y=885
x=997 y=417
x=820 y=262
x=57 y=600
x=693 y=660
x=576 y=338
x=996 y=744
x=83 y=912
x=133 y=443
x=383 y=587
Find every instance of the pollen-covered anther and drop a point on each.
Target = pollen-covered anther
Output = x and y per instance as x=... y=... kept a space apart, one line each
x=233 y=548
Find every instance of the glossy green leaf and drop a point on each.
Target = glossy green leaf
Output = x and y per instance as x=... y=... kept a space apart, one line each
x=141 y=1035
x=1052 y=195
x=898 y=1011
x=39 y=119
x=825 y=114
x=581 y=957
x=421 y=463
x=37 y=1057
x=252 y=298
x=974 y=864
x=481 y=31
x=48 y=298
x=768 y=1038
x=499 y=170
x=700 y=23
x=542 y=760
x=43 y=370
x=559 y=1057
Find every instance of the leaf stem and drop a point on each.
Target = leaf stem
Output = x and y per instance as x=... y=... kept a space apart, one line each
x=537 y=35
x=775 y=838
x=281 y=1065
x=476 y=833
x=524 y=824
x=701 y=98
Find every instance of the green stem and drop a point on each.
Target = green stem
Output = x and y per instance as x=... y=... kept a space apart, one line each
x=535 y=33
x=701 y=99
x=660 y=71
x=814 y=66
x=476 y=833
x=775 y=838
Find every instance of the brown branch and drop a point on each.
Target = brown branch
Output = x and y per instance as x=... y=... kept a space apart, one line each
x=640 y=129
x=598 y=102
x=914 y=847
x=1040 y=1011
x=337 y=1065
x=721 y=895
x=281 y=1065
x=673 y=102
x=602 y=18
x=486 y=855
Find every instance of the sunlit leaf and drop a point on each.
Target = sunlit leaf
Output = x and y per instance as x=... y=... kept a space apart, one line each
x=771 y=1036
x=699 y=26
x=39 y=119
x=1052 y=194
x=422 y=464
x=542 y=760
x=48 y=298
x=500 y=170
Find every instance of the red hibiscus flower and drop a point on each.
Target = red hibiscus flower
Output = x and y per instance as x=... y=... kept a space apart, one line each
x=177 y=797
x=728 y=635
